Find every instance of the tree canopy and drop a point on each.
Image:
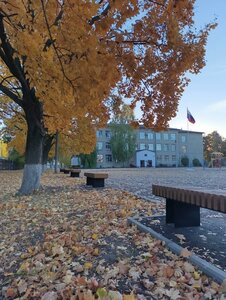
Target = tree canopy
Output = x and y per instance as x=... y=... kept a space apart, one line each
x=61 y=61
x=214 y=142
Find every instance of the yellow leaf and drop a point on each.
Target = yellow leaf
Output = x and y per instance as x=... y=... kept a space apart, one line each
x=196 y=275
x=88 y=265
x=96 y=252
x=129 y=297
x=94 y=236
x=24 y=267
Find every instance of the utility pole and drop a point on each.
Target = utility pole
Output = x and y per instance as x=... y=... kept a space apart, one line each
x=56 y=151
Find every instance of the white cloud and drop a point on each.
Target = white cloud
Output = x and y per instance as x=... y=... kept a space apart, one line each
x=217 y=106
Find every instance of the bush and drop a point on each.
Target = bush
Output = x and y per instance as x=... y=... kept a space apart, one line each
x=196 y=162
x=185 y=161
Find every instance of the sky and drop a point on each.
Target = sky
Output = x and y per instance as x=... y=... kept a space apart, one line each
x=205 y=96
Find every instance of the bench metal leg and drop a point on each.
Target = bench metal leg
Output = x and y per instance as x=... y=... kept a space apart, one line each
x=182 y=214
x=74 y=174
x=89 y=181
x=98 y=182
x=95 y=182
x=169 y=211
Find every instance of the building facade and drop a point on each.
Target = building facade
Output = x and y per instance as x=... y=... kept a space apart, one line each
x=153 y=149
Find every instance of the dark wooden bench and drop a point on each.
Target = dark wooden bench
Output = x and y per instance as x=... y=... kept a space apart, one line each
x=66 y=170
x=183 y=204
x=95 y=179
x=75 y=172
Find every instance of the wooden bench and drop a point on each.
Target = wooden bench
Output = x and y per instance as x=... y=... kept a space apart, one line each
x=183 y=204
x=75 y=172
x=66 y=170
x=95 y=179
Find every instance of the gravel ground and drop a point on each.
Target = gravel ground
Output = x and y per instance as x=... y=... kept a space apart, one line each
x=209 y=240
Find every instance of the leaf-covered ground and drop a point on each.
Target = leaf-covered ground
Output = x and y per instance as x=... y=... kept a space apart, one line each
x=69 y=241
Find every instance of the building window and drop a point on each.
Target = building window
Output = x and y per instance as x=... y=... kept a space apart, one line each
x=183 y=138
x=150 y=136
x=100 y=158
x=142 y=146
x=173 y=137
x=165 y=136
x=108 y=157
x=173 y=157
x=166 y=147
x=99 y=145
x=158 y=147
x=166 y=157
x=99 y=133
x=142 y=135
x=184 y=149
x=151 y=147
x=173 y=148
x=158 y=136
x=108 y=146
x=108 y=134
x=159 y=157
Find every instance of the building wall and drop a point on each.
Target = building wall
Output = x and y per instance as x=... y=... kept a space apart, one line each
x=168 y=146
x=145 y=158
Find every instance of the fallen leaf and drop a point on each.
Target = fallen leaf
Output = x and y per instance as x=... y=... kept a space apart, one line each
x=49 y=296
x=129 y=297
x=185 y=252
x=88 y=265
x=11 y=292
x=188 y=267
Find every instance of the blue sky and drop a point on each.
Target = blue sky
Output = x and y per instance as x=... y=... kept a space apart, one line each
x=205 y=96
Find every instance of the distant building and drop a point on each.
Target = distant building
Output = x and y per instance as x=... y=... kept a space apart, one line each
x=154 y=149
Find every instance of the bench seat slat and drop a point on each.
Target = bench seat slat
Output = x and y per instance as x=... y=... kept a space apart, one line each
x=96 y=175
x=213 y=201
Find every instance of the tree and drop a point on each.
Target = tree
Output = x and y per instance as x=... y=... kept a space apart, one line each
x=212 y=143
x=123 y=138
x=89 y=160
x=185 y=161
x=60 y=60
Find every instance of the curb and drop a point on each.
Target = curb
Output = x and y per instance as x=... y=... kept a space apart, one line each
x=209 y=269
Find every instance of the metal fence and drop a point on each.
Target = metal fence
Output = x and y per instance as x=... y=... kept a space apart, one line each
x=6 y=164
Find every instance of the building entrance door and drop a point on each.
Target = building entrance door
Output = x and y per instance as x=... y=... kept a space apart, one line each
x=142 y=163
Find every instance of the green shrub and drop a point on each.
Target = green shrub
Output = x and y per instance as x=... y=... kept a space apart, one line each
x=196 y=162
x=185 y=161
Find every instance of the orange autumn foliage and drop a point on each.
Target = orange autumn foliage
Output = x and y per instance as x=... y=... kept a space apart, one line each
x=73 y=61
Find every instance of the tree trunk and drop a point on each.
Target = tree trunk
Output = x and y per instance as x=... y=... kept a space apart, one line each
x=34 y=146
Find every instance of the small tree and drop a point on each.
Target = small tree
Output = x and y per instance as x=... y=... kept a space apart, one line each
x=122 y=142
x=89 y=160
x=123 y=139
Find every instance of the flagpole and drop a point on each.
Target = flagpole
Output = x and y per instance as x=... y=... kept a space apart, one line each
x=188 y=141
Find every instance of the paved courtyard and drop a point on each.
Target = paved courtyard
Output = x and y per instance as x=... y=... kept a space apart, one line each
x=139 y=181
x=209 y=240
